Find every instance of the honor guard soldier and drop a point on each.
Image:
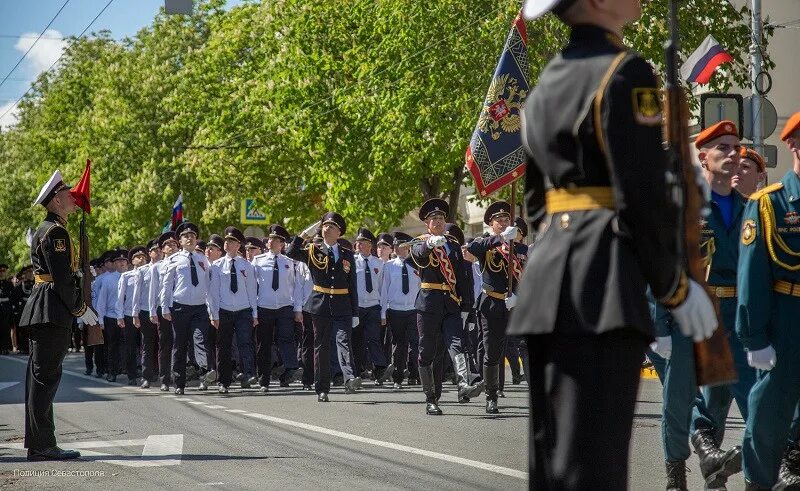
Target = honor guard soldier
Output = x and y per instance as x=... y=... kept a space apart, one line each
x=137 y=257
x=55 y=302
x=439 y=263
x=768 y=305
x=398 y=294
x=183 y=302
x=233 y=302
x=752 y=174
x=367 y=336
x=279 y=298
x=498 y=262
x=253 y=246
x=168 y=244
x=333 y=303
x=141 y=317
x=597 y=169
x=107 y=310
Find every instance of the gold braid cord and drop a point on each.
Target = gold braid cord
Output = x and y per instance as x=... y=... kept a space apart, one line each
x=312 y=258
x=771 y=235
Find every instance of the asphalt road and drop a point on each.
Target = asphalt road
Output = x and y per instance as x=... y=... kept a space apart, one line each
x=377 y=439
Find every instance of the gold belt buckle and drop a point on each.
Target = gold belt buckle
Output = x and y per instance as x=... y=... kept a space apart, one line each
x=719 y=291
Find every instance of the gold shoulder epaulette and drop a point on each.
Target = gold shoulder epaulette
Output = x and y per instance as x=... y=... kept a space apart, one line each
x=764 y=191
x=421 y=237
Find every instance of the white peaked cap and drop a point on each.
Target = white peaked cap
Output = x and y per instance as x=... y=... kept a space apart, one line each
x=533 y=9
x=49 y=190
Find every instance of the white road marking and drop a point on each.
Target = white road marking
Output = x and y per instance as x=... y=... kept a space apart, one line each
x=216 y=407
x=184 y=399
x=195 y=402
x=237 y=411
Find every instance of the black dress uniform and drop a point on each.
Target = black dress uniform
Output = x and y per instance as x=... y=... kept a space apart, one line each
x=51 y=309
x=333 y=302
x=443 y=286
x=592 y=130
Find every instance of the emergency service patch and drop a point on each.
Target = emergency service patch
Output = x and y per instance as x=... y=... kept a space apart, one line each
x=647 y=106
x=748 y=232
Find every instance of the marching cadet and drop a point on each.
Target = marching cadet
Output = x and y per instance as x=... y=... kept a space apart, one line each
x=473 y=334
x=125 y=307
x=183 y=302
x=498 y=262
x=22 y=291
x=232 y=300
x=168 y=244
x=399 y=290
x=141 y=314
x=384 y=247
x=89 y=352
x=279 y=300
x=52 y=307
x=333 y=303
x=752 y=174
x=443 y=285
x=596 y=179
x=768 y=290
x=367 y=335
x=215 y=248
x=107 y=309
x=303 y=275
x=684 y=412
x=253 y=246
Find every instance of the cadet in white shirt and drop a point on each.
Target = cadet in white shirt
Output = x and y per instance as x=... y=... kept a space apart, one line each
x=107 y=311
x=369 y=271
x=232 y=299
x=398 y=294
x=141 y=315
x=183 y=302
x=168 y=244
x=279 y=299
x=384 y=253
x=125 y=311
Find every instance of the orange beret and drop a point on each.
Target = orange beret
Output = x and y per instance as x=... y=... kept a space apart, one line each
x=724 y=127
x=792 y=124
x=749 y=153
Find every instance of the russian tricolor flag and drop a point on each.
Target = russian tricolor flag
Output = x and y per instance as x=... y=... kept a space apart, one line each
x=700 y=66
x=177 y=212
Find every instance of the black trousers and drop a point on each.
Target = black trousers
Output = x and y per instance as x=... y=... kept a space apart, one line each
x=5 y=329
x=307 y=350
x=438 y=332
x=113 y=337
x=272 y=324
x=401 y=324
x=235 y=328
x=186 y=321
x=165 y=343
x=327 y=329
x=23 y=339
x=149 y=347
x=130 y=347
x=94 y=356
x=579 y=384
x=358 y=349
x=48 y=345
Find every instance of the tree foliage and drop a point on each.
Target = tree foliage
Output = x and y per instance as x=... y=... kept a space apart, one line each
x=361 y=106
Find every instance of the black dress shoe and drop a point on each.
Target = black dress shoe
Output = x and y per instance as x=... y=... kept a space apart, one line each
x=52 y=453
x=491 y=407
x=322 y=397
x=88 y=371
x=432 y=409
x=179 y=391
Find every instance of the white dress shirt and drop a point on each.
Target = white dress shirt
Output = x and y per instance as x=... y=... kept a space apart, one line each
x=177 y=281
x=125 y=287
x=375 y=265
x=303 y=275
x=392 y=296
x=220 y=295
x=141 y=289
x=107 y=296
x=290 y=286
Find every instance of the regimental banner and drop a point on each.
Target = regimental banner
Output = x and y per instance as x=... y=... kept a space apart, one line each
x=495 y=156
x=250 y=214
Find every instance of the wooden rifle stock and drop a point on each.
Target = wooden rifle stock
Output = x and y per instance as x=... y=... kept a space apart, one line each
x=713 y=359
x=94 y=334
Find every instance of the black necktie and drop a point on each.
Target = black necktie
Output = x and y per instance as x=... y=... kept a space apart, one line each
x=405 y=279
x=193 y=267
x=367 y=275
x=234 y=279
x=275 y=274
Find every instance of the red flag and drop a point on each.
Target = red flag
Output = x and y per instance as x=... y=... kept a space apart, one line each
x=81 y=190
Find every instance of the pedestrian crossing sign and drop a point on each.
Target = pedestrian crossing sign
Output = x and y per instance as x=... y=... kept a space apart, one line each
x=250 y=214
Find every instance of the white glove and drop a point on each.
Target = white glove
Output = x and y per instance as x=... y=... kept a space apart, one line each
x=662 y=346
x=355 y=321
x=309 y=232
x=696 y=316
x=763 y=359
x=436 y=241
x=511 y=302
x=509 y=234
x=89 y=318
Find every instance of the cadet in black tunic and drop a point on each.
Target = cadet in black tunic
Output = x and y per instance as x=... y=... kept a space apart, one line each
x=48 y=314
x=598 y=170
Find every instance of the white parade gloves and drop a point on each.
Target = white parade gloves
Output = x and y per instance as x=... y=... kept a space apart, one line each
x=309 y=232
x=509 y=234
x=696 y=316
x=89 y=318
x=662 y=346
x=511 y=302
x=436 y=241
x=355 y=322
x=762 y=359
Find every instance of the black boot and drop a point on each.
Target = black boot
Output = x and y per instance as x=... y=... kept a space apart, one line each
x=676 y=475
x=789 y=473
x=716 y=465
x=426 y=377
x=491 y=375
x=465 y=390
